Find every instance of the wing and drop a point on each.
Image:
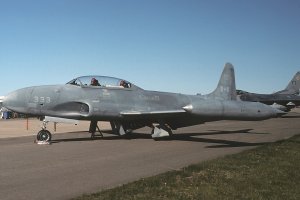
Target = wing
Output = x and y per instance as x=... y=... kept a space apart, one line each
x=145 y=113
x=157 y=112
x=173 y=118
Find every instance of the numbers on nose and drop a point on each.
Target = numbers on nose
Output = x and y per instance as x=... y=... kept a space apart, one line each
x=41 y=100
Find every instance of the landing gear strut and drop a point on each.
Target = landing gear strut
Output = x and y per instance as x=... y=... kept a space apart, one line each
x=118 y=129
x=93 y=127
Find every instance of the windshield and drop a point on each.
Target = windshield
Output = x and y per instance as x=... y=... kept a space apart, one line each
x=101 y=81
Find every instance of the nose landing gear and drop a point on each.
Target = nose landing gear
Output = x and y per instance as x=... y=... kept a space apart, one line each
x=43 y=135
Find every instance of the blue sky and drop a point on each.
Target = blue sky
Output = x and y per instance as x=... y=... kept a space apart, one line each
x=169 y=45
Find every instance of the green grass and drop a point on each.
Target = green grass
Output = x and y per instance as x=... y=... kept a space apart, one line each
x=271 y=171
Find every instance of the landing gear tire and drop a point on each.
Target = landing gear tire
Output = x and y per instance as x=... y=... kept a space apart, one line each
x=44 y=135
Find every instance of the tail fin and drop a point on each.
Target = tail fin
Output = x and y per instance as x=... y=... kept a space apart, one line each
x=294 y=85
x=226 y=87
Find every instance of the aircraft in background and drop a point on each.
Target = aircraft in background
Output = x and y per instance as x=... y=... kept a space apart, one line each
x=284 y=100
x=2 y=109
x=128 y=107
x=293 y=87
x=1 y=100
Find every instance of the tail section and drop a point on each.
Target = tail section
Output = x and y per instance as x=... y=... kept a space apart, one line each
x=226 y=87
x=293 y=86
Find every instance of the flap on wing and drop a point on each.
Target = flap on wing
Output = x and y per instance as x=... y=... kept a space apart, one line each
x=136 y=113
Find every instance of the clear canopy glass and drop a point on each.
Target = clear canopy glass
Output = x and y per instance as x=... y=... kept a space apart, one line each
x=101 y=81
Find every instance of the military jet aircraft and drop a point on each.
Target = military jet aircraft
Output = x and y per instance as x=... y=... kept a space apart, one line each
x=283 y=100
x=128 y=107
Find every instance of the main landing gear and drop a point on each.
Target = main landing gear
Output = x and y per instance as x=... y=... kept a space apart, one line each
x=93 y=127
x=161 y=131
x=116 y=127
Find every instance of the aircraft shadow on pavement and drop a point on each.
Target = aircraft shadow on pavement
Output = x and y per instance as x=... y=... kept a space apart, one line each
x=220 y=143
x=193 y=137
x=291 y=116
x=218 y=132
x=81 y=139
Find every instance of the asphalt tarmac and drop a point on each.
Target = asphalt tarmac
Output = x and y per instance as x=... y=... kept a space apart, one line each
x=74 y=164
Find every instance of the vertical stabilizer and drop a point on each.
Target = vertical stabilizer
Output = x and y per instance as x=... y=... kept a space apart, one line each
x=226 y=87
x=293 y=86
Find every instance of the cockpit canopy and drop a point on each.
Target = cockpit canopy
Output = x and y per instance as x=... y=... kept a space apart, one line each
x=241 y=92
x=102 y=81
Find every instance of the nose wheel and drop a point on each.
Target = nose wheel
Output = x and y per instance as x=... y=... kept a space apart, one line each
x=44 y=135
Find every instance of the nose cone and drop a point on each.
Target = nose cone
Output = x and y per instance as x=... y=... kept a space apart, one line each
x=17 y=100
x=270 y=112
x=279 y=113
x=275 y=111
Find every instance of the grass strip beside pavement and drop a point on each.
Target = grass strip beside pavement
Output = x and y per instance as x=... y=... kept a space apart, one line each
x=271 y=171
